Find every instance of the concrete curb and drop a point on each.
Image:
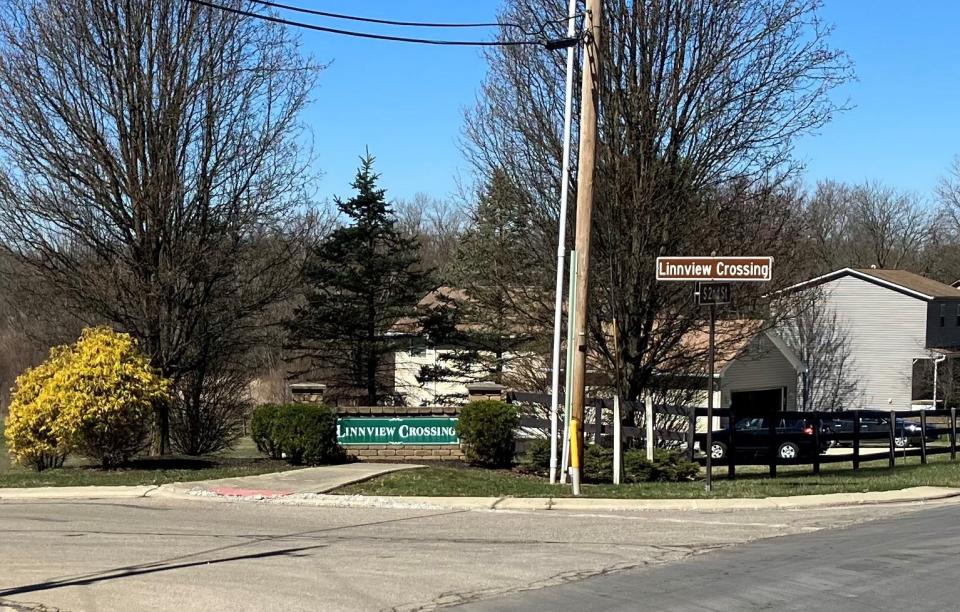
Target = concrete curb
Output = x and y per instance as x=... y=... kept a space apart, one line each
x=539 y=504
x=197 y=492
x=831 y=500
x=93 y=492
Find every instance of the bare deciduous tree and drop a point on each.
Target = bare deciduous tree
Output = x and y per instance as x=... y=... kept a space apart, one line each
x=944 y=246
x=700 y=103
x=821 y=340
x=890 y=227
x=150 y=171
x=869 y=225
x=437 y=225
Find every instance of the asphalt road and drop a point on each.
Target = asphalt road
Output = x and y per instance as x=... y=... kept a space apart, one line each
x=164 y=554
x=906 y=563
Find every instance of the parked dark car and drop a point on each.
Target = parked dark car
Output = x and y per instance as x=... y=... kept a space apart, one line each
x=906 y=432
x=795 y=438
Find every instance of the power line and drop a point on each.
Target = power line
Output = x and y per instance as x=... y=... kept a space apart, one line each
x=417 y=24
x=317 y=28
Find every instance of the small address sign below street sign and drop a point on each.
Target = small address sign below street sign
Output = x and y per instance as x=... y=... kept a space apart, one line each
x=713 y=293
x=724 y=269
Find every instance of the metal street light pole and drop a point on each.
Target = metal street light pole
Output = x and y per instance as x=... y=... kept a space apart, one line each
x=561 y=244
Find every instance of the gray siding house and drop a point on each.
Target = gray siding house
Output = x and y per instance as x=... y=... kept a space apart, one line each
x=893 y=319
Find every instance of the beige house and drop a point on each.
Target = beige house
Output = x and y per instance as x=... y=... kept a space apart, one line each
x=753 y=367
x=418 y=355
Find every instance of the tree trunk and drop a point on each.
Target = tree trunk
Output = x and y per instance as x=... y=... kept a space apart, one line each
x=161 y=441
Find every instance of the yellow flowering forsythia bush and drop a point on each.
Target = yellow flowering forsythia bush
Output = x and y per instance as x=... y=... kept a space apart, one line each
x=94 y=397
x=29 y=429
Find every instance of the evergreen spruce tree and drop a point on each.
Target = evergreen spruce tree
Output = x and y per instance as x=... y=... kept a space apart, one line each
x=361 y=280
x=478 y=325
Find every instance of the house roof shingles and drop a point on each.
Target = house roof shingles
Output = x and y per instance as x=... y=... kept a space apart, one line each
x=913 y=282
x=898 y=280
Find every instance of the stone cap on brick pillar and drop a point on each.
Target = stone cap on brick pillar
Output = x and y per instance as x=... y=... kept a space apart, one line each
x=485 y=391
x=311 y=392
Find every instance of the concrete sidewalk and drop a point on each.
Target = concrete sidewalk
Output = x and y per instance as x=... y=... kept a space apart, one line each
x=279 y=484
x=307 y=480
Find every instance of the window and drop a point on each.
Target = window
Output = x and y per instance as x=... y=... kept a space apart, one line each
x=943 y=315
x=958 y=315
x=751 y=424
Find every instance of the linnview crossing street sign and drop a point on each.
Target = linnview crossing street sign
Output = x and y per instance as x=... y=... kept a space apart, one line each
x=713 y=276
x=724 y=269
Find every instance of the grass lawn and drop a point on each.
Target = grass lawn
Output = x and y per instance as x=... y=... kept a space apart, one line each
x=751 y=481
x=242 y=460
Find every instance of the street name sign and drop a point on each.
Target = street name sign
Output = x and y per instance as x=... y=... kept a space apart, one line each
x=397 y=430
x=713 y=276
x=718 y=269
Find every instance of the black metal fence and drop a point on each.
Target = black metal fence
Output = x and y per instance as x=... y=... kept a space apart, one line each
x=857 y=428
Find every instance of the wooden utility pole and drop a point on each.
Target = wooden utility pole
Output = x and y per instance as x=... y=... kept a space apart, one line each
x=585 y=166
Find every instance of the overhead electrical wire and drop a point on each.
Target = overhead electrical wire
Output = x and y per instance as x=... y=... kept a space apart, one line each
x=416 y=24
x=369 y=35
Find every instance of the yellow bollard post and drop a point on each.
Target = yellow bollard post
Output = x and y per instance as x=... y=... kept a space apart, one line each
x=575 y=454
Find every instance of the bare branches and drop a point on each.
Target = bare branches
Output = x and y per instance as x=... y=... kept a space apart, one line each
x=150 y=168
x=700 y=104
x=868 y=225
x=821 y=340
x=437 y=225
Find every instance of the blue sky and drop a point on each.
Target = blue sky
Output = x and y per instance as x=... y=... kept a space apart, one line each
x=406 y=102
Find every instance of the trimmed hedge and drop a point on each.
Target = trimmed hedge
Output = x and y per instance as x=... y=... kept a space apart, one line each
x=300 y=433
x=487 y=431
x=261 y=430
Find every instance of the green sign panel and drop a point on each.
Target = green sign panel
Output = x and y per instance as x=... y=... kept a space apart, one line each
x=397 y=430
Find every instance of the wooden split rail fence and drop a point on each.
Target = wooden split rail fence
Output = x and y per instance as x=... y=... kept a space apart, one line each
x=938 y=424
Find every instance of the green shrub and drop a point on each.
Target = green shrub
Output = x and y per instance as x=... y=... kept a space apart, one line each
x=597 y=464
x=307 y=434
x=261 y=430
x=636 y=468
x=487 y=432
x=299 y=433
x=667 y=466
x=674 y=467
x=536 y=459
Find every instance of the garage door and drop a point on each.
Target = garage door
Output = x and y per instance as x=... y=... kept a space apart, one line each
x=762 y=401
